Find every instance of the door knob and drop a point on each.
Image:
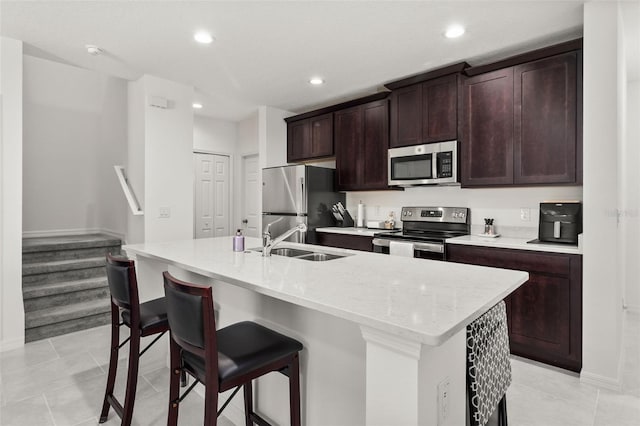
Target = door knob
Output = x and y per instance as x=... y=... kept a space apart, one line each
x=245 y=221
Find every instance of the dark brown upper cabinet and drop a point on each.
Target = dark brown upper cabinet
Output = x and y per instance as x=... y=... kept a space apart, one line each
x=487 y=126
x=520 y=124
x=424 y=108
x=361 y=137
x=545 y=102
x=310 y=138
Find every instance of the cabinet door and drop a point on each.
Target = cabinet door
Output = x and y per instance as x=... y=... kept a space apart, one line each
x=487 y=140
x=375 y=144
x=321 y=133
x=406 y=116
x=545 y=313
x=440 y=109
x=540 y=318
x=348 y=139
x=545 y=120
x=298 y=140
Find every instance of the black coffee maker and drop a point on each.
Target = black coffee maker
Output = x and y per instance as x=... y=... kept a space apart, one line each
x=560 y=222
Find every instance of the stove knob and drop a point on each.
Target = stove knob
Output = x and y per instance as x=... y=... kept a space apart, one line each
x=404 y=213
x=410 y=213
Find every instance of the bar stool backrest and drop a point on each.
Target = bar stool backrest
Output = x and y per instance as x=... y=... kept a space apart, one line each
x=488 y=363
x=191 y=320
x=121 y=275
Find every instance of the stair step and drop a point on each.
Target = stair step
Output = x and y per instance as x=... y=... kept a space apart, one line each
x=64 y=327
x=56 y=277
x=58 y=314
x=34 y=291
x=61 y=266
x=64 y=293
x=68 y=242
x=78 y=253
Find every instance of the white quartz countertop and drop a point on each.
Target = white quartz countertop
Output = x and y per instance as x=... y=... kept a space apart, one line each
x=367 y=232
x=513 y=243
x=422 y=300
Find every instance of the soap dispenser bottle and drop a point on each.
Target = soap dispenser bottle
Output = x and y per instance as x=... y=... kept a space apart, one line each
x=238 y=241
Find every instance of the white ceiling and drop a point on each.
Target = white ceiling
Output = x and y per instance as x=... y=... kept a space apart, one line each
x=265 y=51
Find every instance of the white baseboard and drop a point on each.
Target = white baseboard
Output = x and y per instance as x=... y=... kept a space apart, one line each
x=7 y=345
x=601 y=381
x=73 y=231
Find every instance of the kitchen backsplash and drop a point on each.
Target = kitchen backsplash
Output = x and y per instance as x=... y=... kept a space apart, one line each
x=505 y=205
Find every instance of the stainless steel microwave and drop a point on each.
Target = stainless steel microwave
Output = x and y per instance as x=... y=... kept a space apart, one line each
x=434 y=163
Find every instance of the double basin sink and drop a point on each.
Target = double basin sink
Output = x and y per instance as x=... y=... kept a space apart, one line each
x=312 y=256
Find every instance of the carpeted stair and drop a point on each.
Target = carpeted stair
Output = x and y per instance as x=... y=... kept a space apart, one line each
x=64 y=283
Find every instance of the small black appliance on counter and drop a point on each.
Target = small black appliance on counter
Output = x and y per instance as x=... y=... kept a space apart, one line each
x=560 y=222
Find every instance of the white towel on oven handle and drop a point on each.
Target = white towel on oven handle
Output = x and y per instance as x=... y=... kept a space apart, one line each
x=401 y=248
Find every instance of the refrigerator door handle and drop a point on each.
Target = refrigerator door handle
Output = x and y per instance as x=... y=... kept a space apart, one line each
x=302 y=197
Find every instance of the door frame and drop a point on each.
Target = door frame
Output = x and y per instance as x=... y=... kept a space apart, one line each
x=243 y=189
x=231 y=205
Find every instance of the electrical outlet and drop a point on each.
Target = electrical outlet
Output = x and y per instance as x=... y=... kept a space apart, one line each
x=164 y=212
x=443 y=401
x=525 y=215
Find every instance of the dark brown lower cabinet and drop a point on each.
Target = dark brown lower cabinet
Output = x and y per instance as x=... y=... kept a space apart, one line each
x=545 y=313
x=353 y=242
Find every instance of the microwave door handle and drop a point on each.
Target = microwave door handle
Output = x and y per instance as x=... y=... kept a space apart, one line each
x=434 y=165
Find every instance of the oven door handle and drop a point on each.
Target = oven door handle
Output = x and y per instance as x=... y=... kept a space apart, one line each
x=430 y=247
x=380 y=242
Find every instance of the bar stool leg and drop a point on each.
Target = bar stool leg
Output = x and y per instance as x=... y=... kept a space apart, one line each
x=113 y=362
x=210 y=404
x=248 y=403
x=174 y=383
x=502 y=411
x=294 y=391
x=132 y=377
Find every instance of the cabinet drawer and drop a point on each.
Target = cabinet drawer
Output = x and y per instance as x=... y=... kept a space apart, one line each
x=533 y=262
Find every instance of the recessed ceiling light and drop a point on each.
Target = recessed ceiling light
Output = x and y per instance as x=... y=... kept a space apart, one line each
x=93 y=50
x=203 y=37
x=316 y=81
x=197 y=105
x=454 y=31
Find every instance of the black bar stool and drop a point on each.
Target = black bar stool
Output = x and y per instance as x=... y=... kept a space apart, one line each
x=143 y=319
x=230 y=357
x=488 y=366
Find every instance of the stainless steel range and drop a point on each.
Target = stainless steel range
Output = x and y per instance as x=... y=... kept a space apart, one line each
x=424 y=231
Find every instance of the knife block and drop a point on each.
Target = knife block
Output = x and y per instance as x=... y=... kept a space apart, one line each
x=347 y=222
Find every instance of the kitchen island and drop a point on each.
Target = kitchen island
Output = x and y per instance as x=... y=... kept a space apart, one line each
x=382 y=334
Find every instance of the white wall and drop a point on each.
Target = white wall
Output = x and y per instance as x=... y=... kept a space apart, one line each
x=246 y=144
x=272 y=136
x=75 y=131
x=630 y=217
x=11 y=308
x=502 y=204
x=168 y=161
x=602 y=304
x=214 y=136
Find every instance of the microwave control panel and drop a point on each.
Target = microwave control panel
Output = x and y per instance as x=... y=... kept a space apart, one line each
x=445 y=164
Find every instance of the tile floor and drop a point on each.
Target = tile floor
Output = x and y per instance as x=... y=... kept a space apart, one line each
x=60 y=382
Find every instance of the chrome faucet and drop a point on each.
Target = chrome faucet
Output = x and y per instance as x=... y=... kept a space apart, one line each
x=268 y=244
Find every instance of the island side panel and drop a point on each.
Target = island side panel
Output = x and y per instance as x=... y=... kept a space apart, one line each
x=332 y=363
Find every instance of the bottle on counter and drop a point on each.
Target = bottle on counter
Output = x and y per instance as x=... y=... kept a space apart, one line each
x=390 y=223
x=238 y=241
x=360 y=220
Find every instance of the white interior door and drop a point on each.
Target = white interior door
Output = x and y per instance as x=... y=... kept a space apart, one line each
x=251 y=205
x=211 y=195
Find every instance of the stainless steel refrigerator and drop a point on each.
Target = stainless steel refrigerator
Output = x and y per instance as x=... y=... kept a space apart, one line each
x=294 y=194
